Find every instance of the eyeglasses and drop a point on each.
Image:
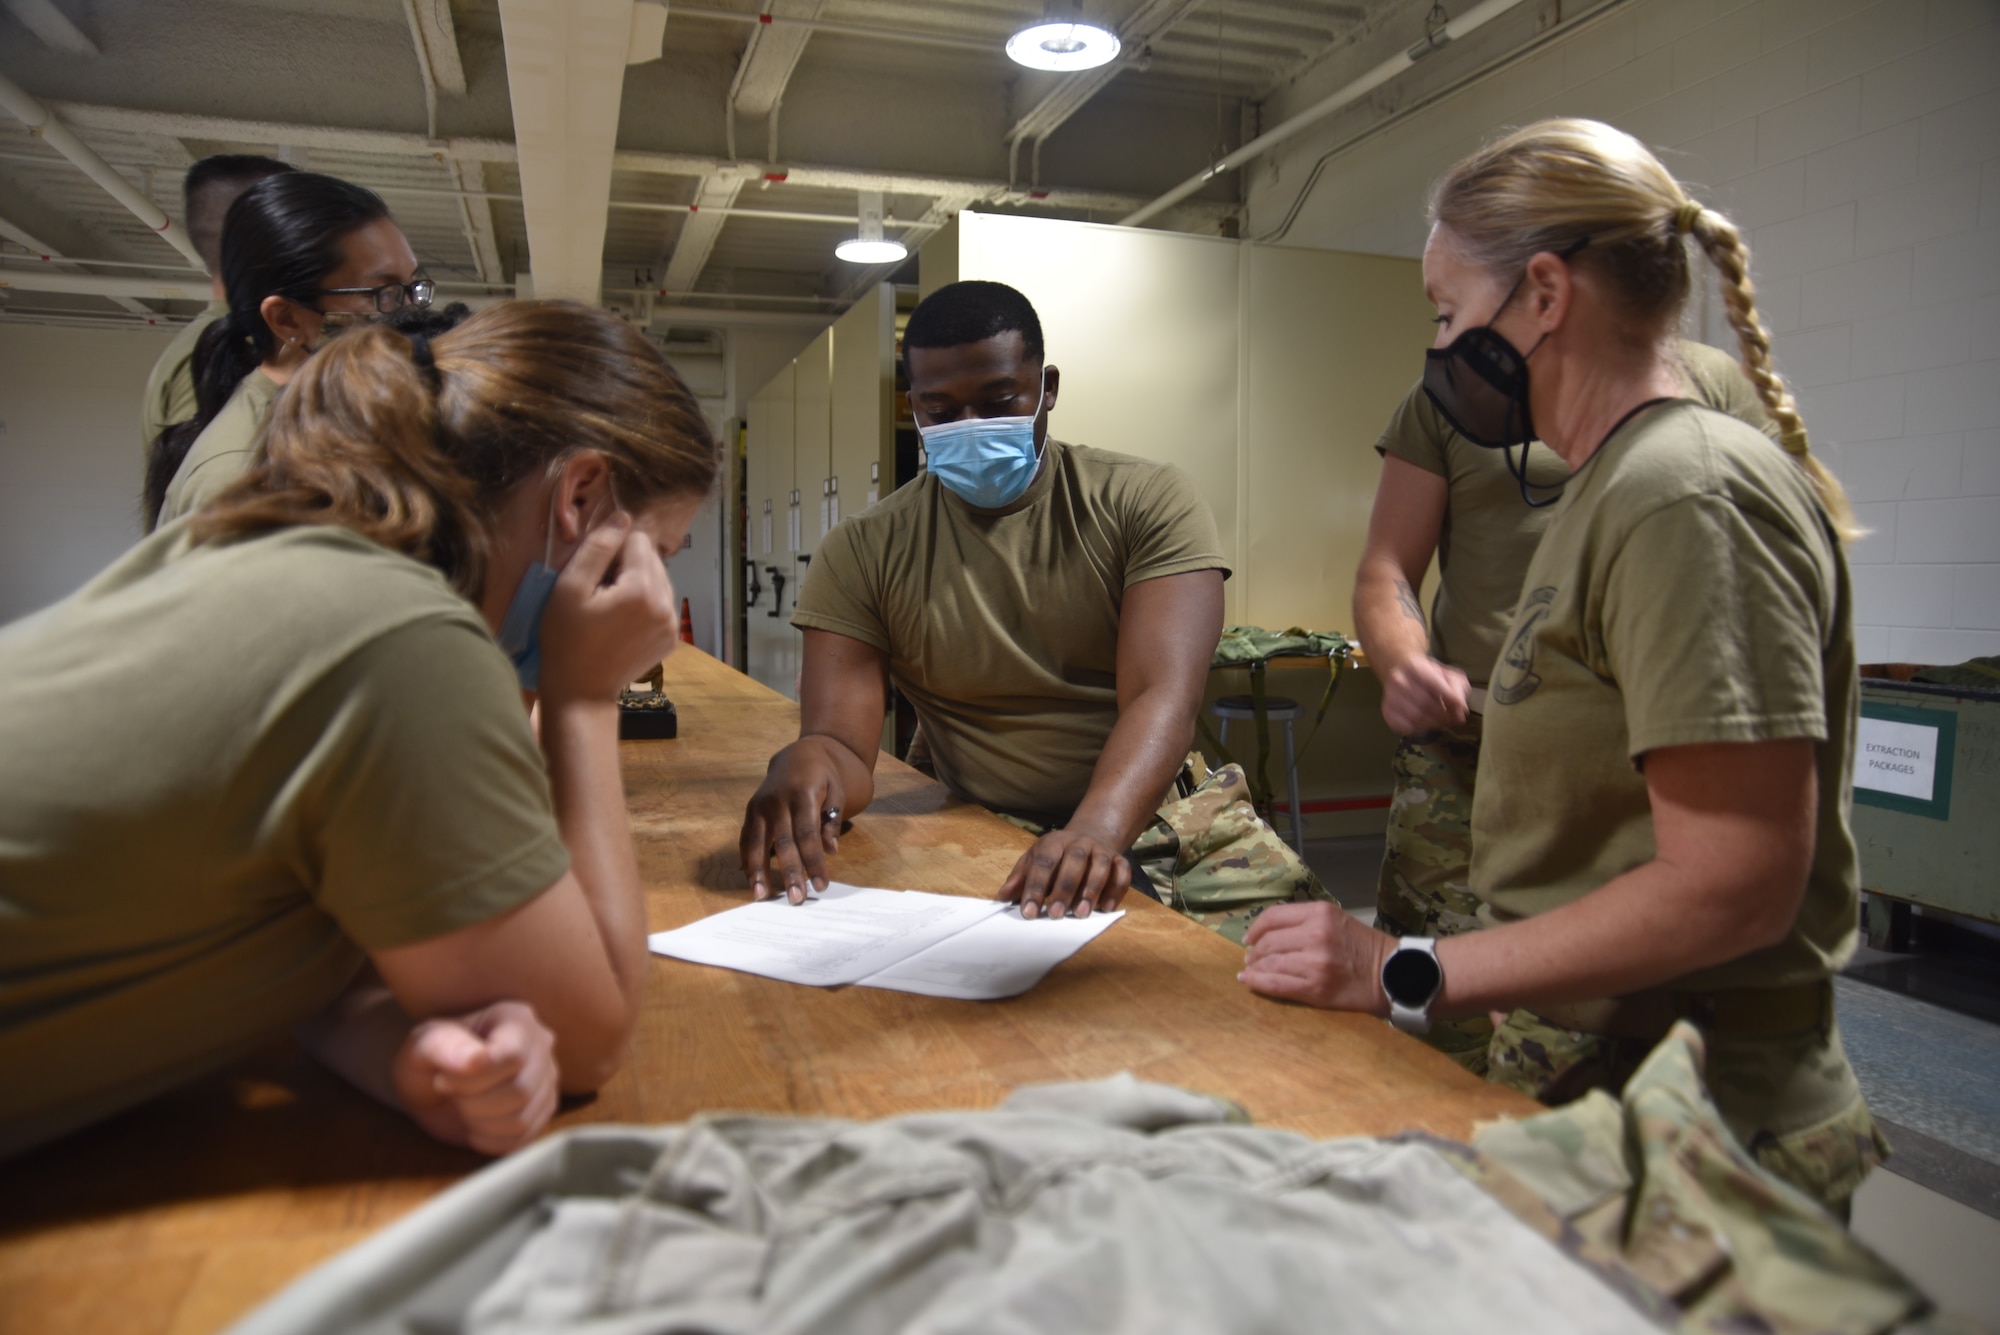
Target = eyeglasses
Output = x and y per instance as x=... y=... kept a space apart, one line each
x=390 y=297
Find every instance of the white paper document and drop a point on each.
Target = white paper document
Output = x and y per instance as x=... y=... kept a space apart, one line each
x=905 y=940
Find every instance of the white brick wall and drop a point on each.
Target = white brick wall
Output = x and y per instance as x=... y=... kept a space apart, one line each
x=1858 y=144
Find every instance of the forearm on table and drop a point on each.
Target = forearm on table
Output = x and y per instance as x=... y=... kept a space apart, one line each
x=1652 y=925
x=857 y=775
x=1388 y=616
x=581 y=742
x=359 y=1035
x=1146 y=749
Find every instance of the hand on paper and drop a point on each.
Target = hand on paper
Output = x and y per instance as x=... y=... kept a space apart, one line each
x=792 y=825
x=487 y=1080
x=1421 y=695
x=1317 y=954
x=1067 y=871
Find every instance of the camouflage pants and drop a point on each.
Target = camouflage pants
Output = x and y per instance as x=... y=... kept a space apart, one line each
x=1792 y=1103
x=1210 y=856
x=1424 y=887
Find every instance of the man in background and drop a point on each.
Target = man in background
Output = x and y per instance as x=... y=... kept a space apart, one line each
x=212 y=185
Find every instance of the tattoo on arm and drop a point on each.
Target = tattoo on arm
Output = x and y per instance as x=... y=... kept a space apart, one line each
x=1406 y=598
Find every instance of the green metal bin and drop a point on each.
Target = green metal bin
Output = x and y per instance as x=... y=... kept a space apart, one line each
x=1926 y=800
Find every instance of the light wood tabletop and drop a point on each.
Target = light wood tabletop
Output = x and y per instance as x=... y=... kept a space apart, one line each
x=181 y=1215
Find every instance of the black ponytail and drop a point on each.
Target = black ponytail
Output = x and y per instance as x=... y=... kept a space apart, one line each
x=281 y=237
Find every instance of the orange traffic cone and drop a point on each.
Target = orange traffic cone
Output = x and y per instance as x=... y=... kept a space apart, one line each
x=687 y=631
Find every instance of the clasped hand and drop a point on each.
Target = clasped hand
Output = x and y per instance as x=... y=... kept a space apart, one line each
x=1423 y=695
x=1318 y=954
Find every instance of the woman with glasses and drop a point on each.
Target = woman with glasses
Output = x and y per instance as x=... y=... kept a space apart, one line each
x=302 y=255
x=1660 y=825
x=270 y=770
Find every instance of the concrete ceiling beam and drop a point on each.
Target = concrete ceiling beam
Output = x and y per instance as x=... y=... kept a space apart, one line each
x=565 y=74
x=388 y=143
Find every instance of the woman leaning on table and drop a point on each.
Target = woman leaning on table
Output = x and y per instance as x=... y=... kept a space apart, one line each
x=271 y=768
x=1660 y=820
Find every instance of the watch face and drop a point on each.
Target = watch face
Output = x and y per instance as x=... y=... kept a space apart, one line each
x=1412 y=978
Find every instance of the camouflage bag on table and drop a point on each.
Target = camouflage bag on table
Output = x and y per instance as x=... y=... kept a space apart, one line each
x=1213 y=859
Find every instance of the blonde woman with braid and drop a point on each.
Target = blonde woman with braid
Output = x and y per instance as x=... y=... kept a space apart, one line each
x=271 y=771
x=1660 y=821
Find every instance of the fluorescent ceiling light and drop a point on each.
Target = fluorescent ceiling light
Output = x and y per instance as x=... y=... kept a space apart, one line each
x=860 y=250
x=1063 y=46
x=869 y=246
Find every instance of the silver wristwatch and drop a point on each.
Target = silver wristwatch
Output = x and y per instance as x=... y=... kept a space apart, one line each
x=1412 y=979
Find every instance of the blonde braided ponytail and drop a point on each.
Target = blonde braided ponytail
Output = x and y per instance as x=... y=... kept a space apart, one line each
x=1548 y=185
x=1723 y=244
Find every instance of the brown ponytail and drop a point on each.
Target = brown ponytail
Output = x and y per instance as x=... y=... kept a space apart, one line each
x=1545 y=187
x=365 y=439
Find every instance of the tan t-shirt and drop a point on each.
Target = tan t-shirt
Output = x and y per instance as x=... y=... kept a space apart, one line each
x=1491 y=528
x=1002 y=627
x=1689 y=589
x=170 y=387
x=222 y=452
x=229 y=772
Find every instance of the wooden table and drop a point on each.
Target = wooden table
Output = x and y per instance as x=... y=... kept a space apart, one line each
x=183 y=1214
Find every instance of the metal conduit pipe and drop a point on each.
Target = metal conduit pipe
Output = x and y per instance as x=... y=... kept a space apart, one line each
x=989 y=46
x=104 y=285
x=41 y=122
x=1348 y=94
x=391 y=143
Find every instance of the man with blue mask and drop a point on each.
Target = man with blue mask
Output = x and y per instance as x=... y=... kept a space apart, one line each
x=1048 y=609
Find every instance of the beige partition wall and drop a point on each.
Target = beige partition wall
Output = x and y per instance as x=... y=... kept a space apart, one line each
x=863 y=463
x=767 y=463
x=1331 y=344
x=818 y=438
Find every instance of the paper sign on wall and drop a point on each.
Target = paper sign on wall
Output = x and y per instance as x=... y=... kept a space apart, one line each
x=1897 y=758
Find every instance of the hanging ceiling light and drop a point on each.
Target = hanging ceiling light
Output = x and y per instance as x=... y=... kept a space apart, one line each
x=869 y=246
x=1063 y=41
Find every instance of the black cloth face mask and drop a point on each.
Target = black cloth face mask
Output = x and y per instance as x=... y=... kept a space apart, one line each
x=1479 y=381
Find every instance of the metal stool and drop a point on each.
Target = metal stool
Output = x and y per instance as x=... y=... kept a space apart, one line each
x=1278 y=709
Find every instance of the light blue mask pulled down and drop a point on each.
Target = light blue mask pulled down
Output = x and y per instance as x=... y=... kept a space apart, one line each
x=985 y=461
x=521 y=632
x=520 y=636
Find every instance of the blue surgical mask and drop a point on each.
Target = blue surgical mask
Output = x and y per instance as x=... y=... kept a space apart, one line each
x=985 y=461
x=520 y=636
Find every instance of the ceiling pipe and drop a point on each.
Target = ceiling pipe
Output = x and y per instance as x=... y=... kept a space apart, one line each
x=1348 y=94
x=391 y=143
x=41 y=122
x=104 y=285
x=996 y=46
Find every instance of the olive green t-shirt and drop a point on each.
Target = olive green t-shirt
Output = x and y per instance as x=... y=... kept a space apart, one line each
x=1689 y=589
x=229 y=772
x=1001 y=627
x=222 y=452
x=170 y=387
x=1489 y=526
